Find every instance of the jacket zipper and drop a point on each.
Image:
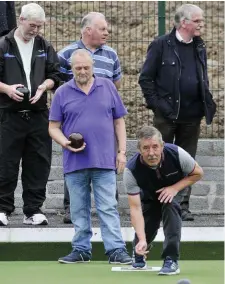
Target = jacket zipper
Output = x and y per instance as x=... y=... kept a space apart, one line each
x=19 y=59
x=178 y=83
x=203 y=80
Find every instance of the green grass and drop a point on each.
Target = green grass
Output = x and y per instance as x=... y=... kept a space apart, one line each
x=198 y=272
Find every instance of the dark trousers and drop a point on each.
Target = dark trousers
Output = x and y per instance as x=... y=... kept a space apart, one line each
x=185 y=135
x=66 y=200
x=170 y=215
x=24 y=136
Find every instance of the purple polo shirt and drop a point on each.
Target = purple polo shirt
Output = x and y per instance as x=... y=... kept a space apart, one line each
x=91 y=115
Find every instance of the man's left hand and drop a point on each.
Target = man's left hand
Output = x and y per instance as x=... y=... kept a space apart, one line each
x=120 y=162
x=40 y=90
x=167 y=194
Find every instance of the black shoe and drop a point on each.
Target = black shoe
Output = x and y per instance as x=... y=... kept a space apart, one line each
x=67 y=218
x=187 y=216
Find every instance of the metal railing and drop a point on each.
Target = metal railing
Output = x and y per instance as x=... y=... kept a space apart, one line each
x=133 y=25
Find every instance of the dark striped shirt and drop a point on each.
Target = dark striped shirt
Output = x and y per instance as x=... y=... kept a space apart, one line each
x=106 y=62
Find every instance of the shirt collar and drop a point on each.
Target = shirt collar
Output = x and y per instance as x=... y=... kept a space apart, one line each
x=155 y=167
x=96 y=83
x=180 y=39
x=82 y=45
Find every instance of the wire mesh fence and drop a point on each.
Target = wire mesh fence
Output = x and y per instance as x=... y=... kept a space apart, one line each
x=132 y=26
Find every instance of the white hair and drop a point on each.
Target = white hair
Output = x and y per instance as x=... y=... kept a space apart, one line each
x=82 y=52
x=89 y=18
x=33 y=11
x=185 y=12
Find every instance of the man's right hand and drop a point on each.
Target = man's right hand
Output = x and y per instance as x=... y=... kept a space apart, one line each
x=141 y=247
x=75 y=150
x=12 y=92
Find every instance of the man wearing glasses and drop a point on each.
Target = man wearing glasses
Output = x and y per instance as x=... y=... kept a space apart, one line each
x=174 y=82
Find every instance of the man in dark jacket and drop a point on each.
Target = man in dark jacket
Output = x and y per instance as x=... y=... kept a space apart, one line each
x=26 y=60
x=174 y=82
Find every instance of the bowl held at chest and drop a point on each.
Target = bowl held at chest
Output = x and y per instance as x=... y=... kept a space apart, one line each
x=77 y=140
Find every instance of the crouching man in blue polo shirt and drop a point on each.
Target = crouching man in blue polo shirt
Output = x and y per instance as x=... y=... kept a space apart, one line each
x=91 y=106
x=152 y=179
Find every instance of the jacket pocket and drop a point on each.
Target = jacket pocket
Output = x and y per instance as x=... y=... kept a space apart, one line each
x=168 y=62
x=166 y=86
x=168 y=71
x=165 y=106
x=168 y=67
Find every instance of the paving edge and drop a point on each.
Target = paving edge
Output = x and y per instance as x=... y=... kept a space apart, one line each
x=49 y=235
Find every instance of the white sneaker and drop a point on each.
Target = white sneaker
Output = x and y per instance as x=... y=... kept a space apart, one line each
x=4 y=221
x=36 y=219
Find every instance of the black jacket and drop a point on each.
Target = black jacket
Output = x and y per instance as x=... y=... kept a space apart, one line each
x=44 y=65
x=159 y=78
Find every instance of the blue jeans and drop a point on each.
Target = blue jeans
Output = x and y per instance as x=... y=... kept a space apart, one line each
x=104 y=189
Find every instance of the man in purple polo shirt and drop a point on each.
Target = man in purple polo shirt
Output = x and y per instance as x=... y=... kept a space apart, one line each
x=91 y=106
x=94 y=34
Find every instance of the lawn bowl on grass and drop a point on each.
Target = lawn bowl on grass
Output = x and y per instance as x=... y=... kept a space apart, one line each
x=132 y=269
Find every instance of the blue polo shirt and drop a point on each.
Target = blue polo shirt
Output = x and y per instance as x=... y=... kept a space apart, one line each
x=91 y=115
x=106 y=62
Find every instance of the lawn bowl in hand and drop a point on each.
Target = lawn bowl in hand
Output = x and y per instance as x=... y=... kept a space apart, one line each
x=77 y=140
x=25 y=92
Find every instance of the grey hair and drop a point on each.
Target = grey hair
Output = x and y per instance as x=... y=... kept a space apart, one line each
x=88 y=19
x=148 y=132
x=82 y=52
x=33 y=11
x=185 y=12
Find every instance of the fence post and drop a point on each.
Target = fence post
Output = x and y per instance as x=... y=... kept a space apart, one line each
x=161 y=18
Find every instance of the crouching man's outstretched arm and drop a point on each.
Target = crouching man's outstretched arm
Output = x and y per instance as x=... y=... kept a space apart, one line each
x=137 y=218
